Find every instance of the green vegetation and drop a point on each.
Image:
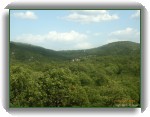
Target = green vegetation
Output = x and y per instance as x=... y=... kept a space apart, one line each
x=107 y=76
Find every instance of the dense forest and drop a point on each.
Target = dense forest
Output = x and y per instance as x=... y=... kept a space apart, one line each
x=106 y=76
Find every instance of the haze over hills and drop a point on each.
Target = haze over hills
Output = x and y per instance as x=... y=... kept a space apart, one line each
x=22 y=51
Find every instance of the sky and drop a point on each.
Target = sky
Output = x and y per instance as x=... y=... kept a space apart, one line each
x=74 y=29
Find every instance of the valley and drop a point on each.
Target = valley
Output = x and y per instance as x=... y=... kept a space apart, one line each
x=105 y=76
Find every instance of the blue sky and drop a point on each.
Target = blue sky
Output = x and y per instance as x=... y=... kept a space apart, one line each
x=74 y=29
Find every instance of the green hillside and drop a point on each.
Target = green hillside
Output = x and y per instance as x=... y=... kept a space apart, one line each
x=115 y=48
x=106 y=76
x=25 y=52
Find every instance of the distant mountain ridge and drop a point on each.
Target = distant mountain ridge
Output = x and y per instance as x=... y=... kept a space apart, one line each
x=28 y=52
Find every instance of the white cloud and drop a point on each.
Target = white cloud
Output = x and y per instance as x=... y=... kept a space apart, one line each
x=25 y=15
x=128 y=34
x=89 y=16
x=59 y=40
x=66 y=36
x=52 y=36
x=136 y=14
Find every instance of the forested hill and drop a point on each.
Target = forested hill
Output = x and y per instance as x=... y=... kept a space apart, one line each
x=27 y=52
x=115 y=48
x=106 y=76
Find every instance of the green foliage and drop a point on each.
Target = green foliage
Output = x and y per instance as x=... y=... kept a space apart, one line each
x=94 y=79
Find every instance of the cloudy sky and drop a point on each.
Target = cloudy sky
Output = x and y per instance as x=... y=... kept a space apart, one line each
x=74 y=29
